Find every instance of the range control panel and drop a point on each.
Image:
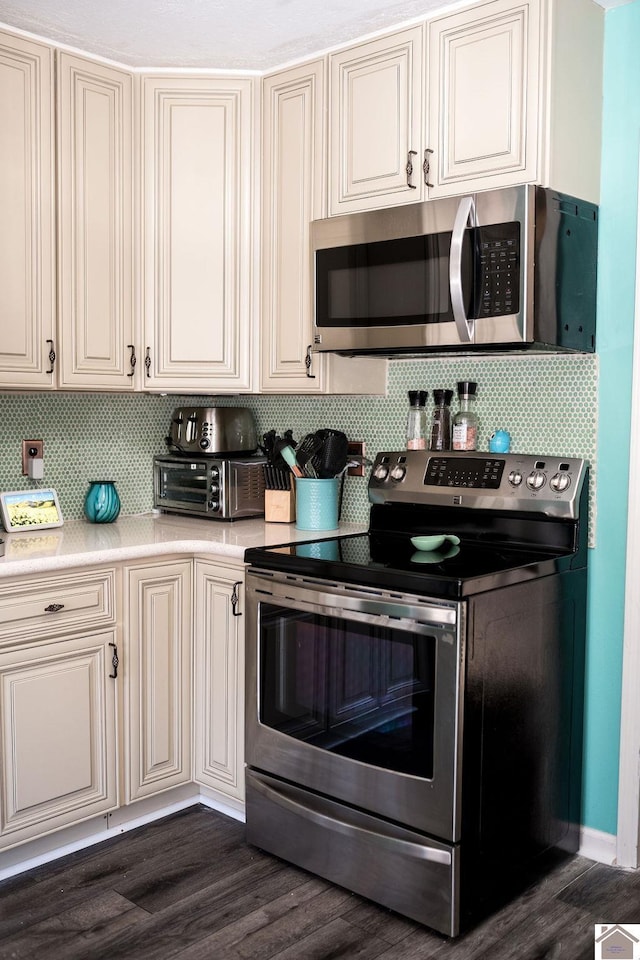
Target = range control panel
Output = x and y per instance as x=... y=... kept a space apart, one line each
x=550 y=485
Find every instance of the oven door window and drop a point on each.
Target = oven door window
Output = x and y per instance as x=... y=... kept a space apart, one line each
x=361 y=691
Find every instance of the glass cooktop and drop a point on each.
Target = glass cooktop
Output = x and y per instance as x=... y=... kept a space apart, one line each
x=389 y=561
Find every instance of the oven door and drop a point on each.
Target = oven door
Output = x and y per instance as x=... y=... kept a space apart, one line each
x=357 y=695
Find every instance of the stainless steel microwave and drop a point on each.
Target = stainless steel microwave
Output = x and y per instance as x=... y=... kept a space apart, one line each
x=505 y=269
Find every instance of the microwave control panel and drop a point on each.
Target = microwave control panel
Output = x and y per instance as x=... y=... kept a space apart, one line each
x=497 y=280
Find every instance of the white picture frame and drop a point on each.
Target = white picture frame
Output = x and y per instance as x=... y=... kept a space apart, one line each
x=28 y=510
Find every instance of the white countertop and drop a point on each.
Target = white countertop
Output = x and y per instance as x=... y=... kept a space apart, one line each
x=79 y=543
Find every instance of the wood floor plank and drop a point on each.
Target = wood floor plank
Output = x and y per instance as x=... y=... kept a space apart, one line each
x=58 y=936
x=337 y=939
x=275 y=926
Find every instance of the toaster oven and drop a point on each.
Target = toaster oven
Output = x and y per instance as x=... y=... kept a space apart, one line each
x=218 y=488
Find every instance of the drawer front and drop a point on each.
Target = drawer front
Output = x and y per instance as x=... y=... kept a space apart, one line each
x=52 y=606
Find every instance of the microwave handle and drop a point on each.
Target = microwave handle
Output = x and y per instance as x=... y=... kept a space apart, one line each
x=466 y=212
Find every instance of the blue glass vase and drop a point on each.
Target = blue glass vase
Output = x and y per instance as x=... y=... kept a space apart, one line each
x=102 y=503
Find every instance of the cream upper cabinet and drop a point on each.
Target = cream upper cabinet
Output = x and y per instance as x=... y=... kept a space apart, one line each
x=27 y=248
x=376 y=140
x=197 y=233
x=483 y=95
x=293 y=195
x=507 y=101
x=95 y=254
x=219 y=678
x=157 y=677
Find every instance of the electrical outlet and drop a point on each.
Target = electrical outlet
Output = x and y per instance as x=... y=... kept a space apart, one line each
x=31 y=450
x=355 y=448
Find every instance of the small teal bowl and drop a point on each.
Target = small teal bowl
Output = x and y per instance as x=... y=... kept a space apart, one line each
x=102 y=503
x=434 y=541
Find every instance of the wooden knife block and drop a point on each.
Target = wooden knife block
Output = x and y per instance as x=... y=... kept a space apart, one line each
x=280 y=506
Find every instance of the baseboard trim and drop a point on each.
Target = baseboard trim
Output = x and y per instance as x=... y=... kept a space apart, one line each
x=597 y=845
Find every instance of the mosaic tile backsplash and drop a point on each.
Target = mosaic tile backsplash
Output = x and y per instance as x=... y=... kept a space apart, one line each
x=547 y=402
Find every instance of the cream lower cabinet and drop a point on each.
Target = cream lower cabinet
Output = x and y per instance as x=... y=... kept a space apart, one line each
x=219 y=678
x=27 y=229
x=197 y=174
x=293 y=196
x=157 y=677
x=58 y=716
x=95 y=255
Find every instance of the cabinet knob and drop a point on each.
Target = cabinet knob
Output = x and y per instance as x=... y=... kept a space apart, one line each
x=115 y=660
x=308 y=361
x=54 y=607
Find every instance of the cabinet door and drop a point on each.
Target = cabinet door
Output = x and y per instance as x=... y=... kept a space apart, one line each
x=483 y=95
x=293 y=181
x=375 y=121
x=57 y=710
x=157 y=672
x=197 y=233
x=27 y=299
x=219 y=678
x=96 y=216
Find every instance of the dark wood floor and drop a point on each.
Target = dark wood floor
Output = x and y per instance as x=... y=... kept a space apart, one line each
x=189 y=888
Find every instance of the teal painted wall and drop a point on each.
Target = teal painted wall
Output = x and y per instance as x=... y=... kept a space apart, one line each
x=616 y=291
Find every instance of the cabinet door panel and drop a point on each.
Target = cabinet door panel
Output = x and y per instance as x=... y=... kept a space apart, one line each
x=96 y=216
x=219 y=683
x=292 y=197
x=27 y=248
x=158 y=678
x=197 y=170
x=57 y=711
x=375 y=120
x=483 y=86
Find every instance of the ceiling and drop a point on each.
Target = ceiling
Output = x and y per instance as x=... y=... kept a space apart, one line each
x=226 y=34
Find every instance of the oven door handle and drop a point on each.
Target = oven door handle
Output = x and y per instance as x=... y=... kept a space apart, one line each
x=415 y=850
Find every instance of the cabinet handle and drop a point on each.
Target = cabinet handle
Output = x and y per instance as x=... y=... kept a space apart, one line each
x=132 y=359
x=426 y=167
x=409 y=169
x=54 y=607
x=52 y=356
x=235 y=599
x=307 y=362
x=114 y=661
x=147 y=361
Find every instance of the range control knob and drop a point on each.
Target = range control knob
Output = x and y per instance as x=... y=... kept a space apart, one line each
x=560 y=482
x=515 y=478
x=381 y=473
x=204 y=443
x=215 y=473
x=398 y=473
x=213 y=504
x=215 y=488
x=536 y=480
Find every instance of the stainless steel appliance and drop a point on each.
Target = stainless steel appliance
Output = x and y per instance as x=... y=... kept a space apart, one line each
x=212 y=431
x=505 y=269
x=414 y=718
x=217 y=488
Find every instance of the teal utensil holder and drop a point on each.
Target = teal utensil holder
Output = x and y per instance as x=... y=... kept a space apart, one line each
x=102 y=503
x=317 y=504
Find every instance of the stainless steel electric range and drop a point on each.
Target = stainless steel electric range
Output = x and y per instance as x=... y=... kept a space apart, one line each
x=414 y=717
